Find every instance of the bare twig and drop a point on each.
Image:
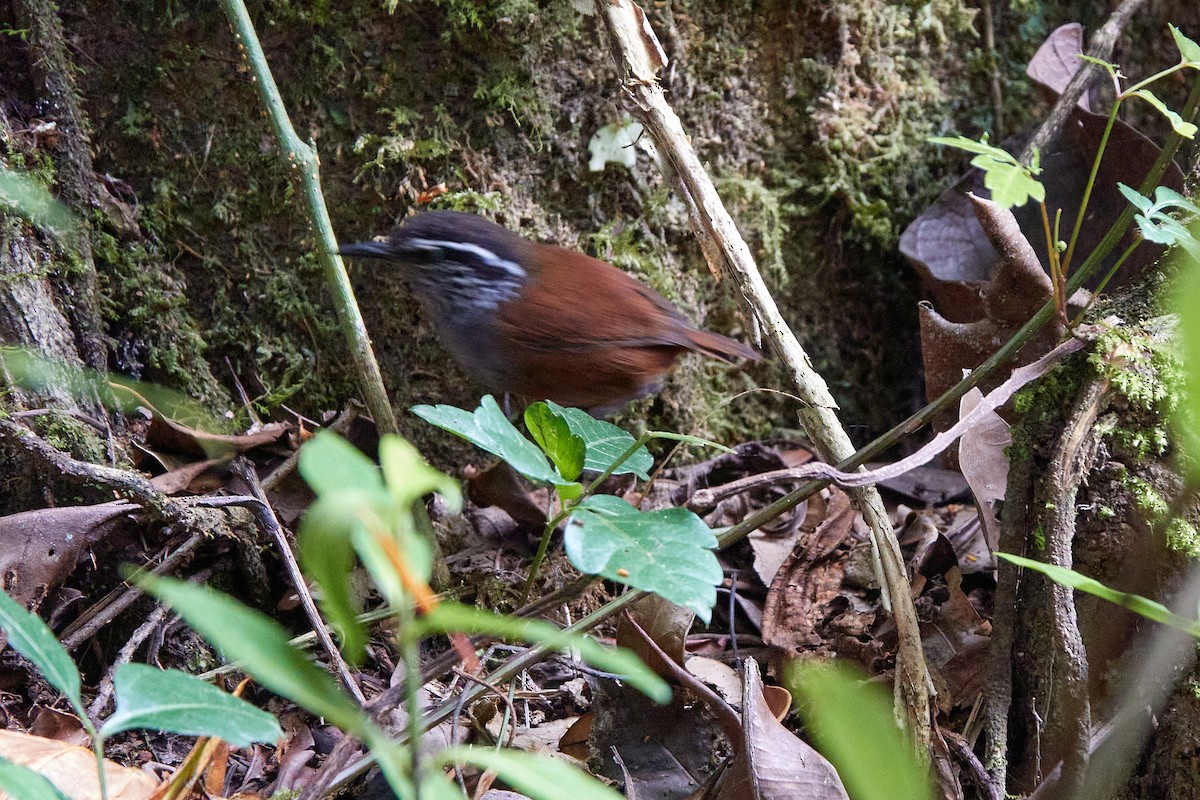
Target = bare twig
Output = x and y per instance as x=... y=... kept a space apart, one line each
x=339 y=426
x=88 y=625
x=124 y=657
x=993 y=400
x=1101 y=47
x=265 y=515
x=640 y=57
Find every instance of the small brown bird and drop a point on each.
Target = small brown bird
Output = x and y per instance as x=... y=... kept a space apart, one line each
x=538 y=320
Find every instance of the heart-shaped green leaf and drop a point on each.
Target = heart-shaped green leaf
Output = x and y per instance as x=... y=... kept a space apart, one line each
x=488 y=429
x=604 y=443
x=668 y=552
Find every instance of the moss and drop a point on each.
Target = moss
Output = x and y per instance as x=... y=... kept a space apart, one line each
x=1038 y=537
x=71 y=436
x=145 y=306
x=1147 y=498
x=812 y=143
x=1182 y=537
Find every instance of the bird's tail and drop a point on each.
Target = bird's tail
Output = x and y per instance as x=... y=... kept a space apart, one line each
x=722 y=347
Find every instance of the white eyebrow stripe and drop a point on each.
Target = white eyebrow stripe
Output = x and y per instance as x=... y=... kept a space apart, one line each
x=482 y=253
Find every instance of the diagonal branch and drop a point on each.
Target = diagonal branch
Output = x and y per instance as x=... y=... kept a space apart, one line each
x=640 y=57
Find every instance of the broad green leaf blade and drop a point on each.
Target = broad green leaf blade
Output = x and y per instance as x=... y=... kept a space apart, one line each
x=1139 y=200
x=261 y=648
x=409 y=477
x=1011 y=185
x=330 y=464
x=1134 y=602
x=22 y=783
x=972 y=146
x=1189 y=51
x=605 y=443
x=538 y=777
x=1185 y=129
x=32 y=638
x=552 y=433
x=668 y=552
x=1167 y=197
x=488 y=429
x=848 y=716
x=449 y=617
x=171 y=701
x=326 y=551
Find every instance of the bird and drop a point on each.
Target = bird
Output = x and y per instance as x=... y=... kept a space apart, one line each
x=540 y=321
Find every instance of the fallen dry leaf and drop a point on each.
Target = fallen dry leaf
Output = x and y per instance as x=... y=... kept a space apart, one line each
x=73 y=769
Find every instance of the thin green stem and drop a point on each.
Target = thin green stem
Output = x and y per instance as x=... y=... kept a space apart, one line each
x=1091 y=184
x=303 y=158
x=1056 y=278
x=508 y=671
x=98 y=749
x=1104 y=282
x=411 y=655
x=1147 y=81
x=543 y=547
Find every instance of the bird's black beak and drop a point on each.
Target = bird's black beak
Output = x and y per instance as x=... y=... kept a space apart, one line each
x=370 y=249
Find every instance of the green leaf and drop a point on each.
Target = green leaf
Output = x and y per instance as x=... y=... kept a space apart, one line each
x=1185 y=129
x=326 y=550
x=1011 y=185
x=260 y=647
x=1112 y=68
x=605 y=443
x=175 y=702
x=1189 y=51
x=1187 y=416
x=448 y=617
x=1134 y=602
x=552 y=433
x=668 y=552
x=538 y=777
x=848 y=716
x=488 y=429
x=1155 y=222
x=409 y=477
x=1139 y=200
x=32 y=638
x=1166 y=197
x=971 y=146
x=330 y=464
x=22 y=783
